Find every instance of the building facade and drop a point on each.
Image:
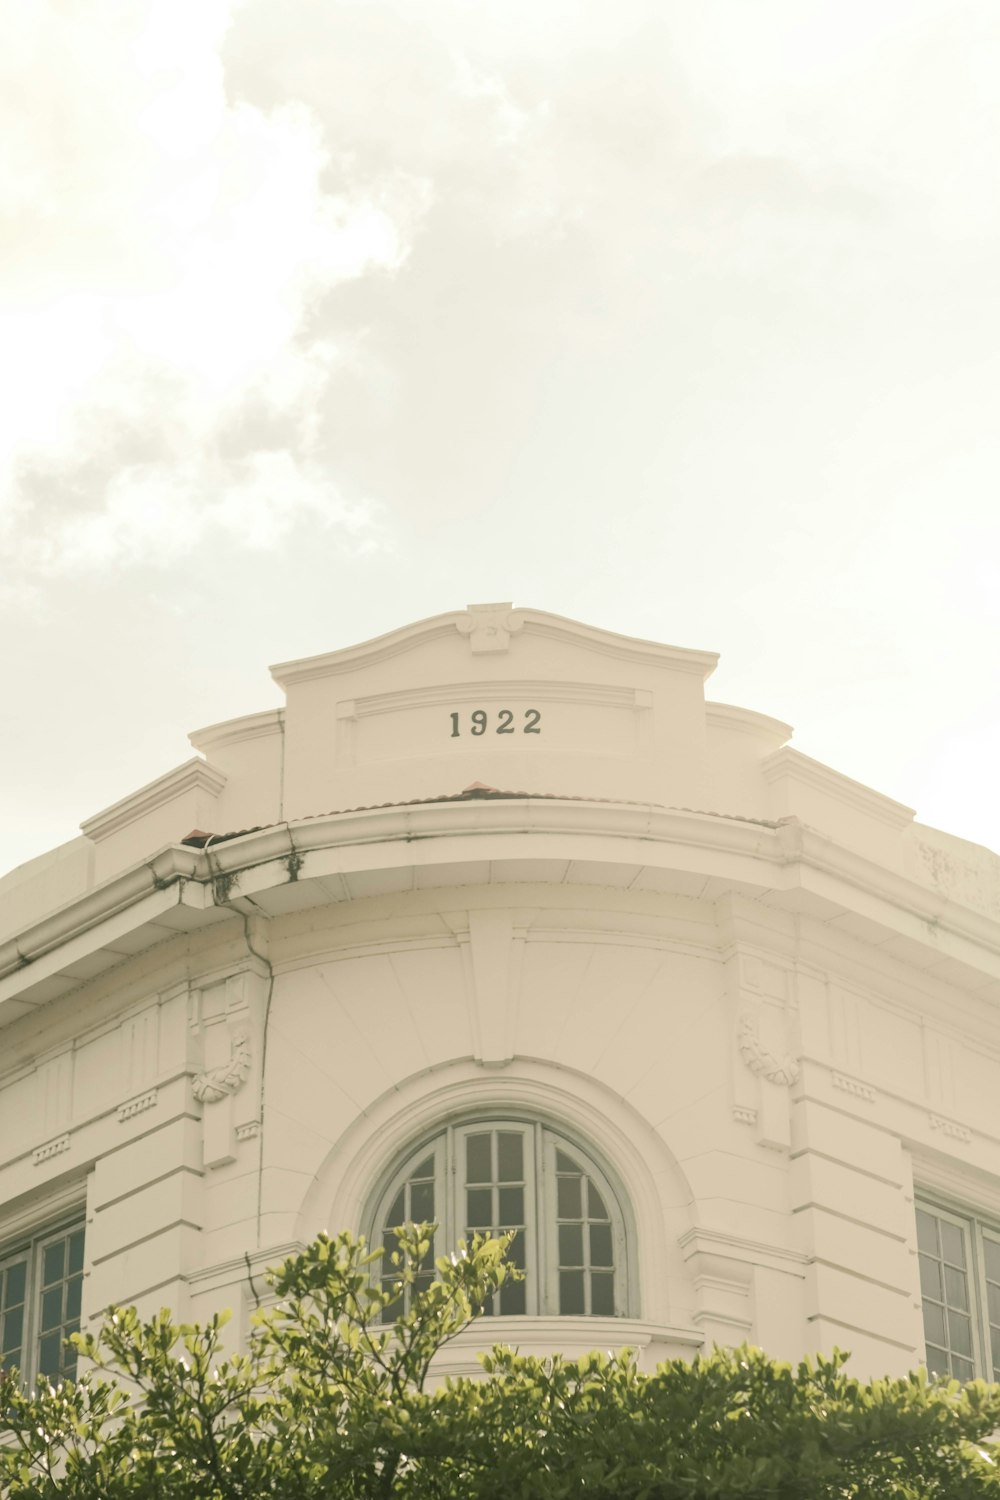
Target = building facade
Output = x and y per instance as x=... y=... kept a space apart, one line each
x=499 y=922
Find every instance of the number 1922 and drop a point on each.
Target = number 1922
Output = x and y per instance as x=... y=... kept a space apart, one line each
x=479 y=721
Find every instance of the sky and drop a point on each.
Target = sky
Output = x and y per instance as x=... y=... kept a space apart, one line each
x=677 y=317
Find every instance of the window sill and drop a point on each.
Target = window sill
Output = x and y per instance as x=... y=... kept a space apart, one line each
x=571 y=1336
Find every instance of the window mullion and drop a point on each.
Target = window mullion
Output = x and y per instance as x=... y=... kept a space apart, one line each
x=495 y=1181
x=544 y=1202
x=449 y=1218
x=981 y=1319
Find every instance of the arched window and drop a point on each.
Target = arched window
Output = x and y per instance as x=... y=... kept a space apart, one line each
x=500 y=1174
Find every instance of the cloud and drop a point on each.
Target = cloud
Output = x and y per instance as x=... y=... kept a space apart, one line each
x=164 y=246
x=163 y=512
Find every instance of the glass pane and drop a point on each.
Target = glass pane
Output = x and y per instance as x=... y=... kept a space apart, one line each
x=595 y=1203
x=76 y=1252
x=937 y=1361
x=952 y=1243
x=395 y=1307
x=14 y=1288
x=956 y=1289
x=69 y=1354
x=991 y=1249
x=927 y=1232
x=13 y=1330
x=49 y=1351
x=934 y=1324
x=510 y=1152
x=959 y=1333
x=423 y=1169
x=570 y=1292
x=477 y=1159
x=73 y=1294
x=479 y=1208
x=397 y=1211
x=565 y=1163
x=54 y=1262
x=52 y=1308
x=571 y=1244
x=516 y=1252
x=421 y=1202
x=930 y=1278
x=993 y=1301
x=511 y=1206
x=600 y=1245
x=602 y=1295
x=962 y=1368
x=513 y=1299
x=569 y=1198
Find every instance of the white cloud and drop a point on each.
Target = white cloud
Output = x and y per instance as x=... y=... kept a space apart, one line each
x=165 y=512
x=164 y=245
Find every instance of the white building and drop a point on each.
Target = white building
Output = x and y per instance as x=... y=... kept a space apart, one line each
x=499 y=922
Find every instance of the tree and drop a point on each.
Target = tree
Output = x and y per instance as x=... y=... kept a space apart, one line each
x=333 y=1402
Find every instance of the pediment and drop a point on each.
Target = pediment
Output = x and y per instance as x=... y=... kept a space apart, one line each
x=493 y=631
x=515 y=698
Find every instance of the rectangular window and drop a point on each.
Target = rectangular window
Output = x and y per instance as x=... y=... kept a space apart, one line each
x=959 y=1259
x=41 y=1285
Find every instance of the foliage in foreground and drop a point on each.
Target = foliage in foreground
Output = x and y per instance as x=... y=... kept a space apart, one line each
x=330 y=1404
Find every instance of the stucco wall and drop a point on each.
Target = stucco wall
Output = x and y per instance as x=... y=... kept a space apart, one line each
x=769 y=1020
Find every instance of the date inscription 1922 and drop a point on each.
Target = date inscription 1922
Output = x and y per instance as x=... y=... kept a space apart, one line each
x=479 y=722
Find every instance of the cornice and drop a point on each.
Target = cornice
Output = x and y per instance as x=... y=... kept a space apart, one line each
x=194 y=775
x=959 y=1184
x=366 y=653
x=747 y=721
x=773 y=859
x=56 y=1200
x=700 y=664
x=143 y=897
x=236 y=731
x=815 y=851
x=734 y=1247
x=792 y=764
x=463 y=622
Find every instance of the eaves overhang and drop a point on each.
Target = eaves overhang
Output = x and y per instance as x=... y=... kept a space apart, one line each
x=287 y=866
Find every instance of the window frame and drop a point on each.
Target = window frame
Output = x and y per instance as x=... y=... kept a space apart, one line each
x=543 y=1137
x=976 y=1230
x=28 y=1248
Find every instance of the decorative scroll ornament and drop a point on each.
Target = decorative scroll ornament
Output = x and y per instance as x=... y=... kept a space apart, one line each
x=759 y=1060
x=489 y=626
x=214 y=1085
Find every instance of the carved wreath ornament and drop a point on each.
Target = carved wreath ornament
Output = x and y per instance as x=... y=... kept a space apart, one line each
x=758 y=1059
x=214 y=1085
